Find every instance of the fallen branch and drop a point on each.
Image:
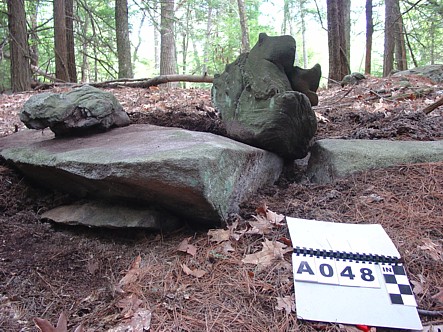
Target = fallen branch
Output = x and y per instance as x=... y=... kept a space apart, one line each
x=430 y=312
x=433 y=106
x=147 y=82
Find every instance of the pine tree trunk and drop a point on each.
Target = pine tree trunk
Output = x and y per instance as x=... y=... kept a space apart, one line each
x=72 y=69
x=369 y=32
x=123 y=42
x=400 y=47
x=20 y=67
x=207 y=40
x=61 y=51
x=388 y=58
x=168 y=60
x=338 y=63
x=244 y=27
x=33 y=48
x=303 y=33
x=347 y=26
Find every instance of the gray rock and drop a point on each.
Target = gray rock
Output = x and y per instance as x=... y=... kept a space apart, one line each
x=196 y=176
x=112 y=216
x=257 y=103
x=81 y=111
x=335 y=158
x=433 y=72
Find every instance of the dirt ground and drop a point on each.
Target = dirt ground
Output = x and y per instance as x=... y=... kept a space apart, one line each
x=195 y=280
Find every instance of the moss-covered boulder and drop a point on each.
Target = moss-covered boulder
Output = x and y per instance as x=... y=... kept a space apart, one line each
x=265 y=100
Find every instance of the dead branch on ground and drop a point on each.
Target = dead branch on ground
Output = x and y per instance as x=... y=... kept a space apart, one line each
x=433 y=106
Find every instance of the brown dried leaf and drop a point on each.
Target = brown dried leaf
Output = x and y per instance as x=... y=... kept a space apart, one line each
x=275 y=218
x=433 y=249
x=129 y=305
x=62 y=325
x=272 y=250
x=140 y=321
x=186 y=247
x=227 y=247
x=196 y=273
x=439 y=296
x=261 y=225
x=219 y=235
x=133 y=273
x=286 y=303
x=418 y=287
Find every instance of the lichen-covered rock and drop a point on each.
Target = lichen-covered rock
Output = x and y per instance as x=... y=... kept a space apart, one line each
x=433 y=72
x=256 y=98
x=81 y=111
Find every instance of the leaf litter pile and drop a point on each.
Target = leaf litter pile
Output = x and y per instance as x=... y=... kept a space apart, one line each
x=236 y=278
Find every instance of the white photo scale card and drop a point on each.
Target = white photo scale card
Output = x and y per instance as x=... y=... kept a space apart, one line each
x=350 y=274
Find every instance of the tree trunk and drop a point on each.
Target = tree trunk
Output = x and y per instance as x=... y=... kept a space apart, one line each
x=207 y=39
x=168 y=60
x=338 y=63
x=400 y=47
x=303 y=33
x=244 y=27
x=33 y=48
x=388 y=57
x=72 y=69
x=61 y=51
x=85 y=62
x=347 y=26
x=369 y=32
x=20 y=67
x=123 y=42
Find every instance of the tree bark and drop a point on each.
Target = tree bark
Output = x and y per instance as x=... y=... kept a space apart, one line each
x=303 y=32
x=168 y=60
x=245 y=47
x=20 y=66
x=369 y=33
x=123 y=42
x=399 y=37
x=33 y=48
x=347 y=27
x=389 y=46
x=60 y=43
x=70 y=47
x=207 y=39
x=338 y=63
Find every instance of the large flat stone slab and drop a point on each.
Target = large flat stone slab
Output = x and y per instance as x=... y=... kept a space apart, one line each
x=197 y=176
x=336 y=158
x=112 y=216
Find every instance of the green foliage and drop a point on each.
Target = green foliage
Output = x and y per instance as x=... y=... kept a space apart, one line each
x=424 y=27
x=205 y=44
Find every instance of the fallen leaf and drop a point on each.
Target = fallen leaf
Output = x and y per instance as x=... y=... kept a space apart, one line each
x=236 y=234
x=286 y=303
x=219 y=235
x=62 y=325
x=227 y=247
x=439 y=296
x=129 y=305
x=186 y=247
x=275 y=218
x=433 y=249
x=132 y=275
x=261 y=209
x=196 y=273
x=140 y=321
x=261 y=225
x=272 y=250
x=418 y=287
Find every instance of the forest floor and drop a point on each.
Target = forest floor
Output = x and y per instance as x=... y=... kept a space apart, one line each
x=196 y=280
